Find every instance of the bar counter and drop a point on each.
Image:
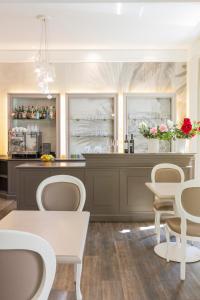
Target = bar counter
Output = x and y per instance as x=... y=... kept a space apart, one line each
x=8 y=173
x=115 y=183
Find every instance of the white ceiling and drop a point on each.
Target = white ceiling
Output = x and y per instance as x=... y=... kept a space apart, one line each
x=97 y=25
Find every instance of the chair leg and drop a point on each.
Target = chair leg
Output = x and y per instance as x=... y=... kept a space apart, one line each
x=155 y=222
x=183 y=257
x=157 y=226
x=168 y=241
x=178 y=241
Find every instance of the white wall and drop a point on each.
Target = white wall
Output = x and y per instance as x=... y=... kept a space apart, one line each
x=94 y=77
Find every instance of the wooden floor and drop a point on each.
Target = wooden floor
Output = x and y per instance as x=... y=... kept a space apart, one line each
x=120 y=264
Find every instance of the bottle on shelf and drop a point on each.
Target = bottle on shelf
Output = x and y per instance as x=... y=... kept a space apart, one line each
x=131 y=144
x=34 y=112
x=15 y=114
x=44 y=112
x=126 y=144
x=28 y=114
x=54 y=112
x=37 y=113
x=20 y=112
x=24 y=112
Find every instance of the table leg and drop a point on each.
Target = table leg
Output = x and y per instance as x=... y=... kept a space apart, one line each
x=77 y=278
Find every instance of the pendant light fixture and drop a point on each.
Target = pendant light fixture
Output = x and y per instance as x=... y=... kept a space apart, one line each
x=43 y=68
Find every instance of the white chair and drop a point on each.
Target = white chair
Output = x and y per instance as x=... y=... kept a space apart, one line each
x=164 y=173
x=187 y=226
x=27 y=266
x=61 y=193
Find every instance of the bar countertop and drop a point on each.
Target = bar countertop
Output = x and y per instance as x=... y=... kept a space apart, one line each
x=53 y=165
x=57 y=159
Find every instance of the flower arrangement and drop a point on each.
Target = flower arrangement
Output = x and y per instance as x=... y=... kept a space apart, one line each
x=161 y=132
x=186 y=129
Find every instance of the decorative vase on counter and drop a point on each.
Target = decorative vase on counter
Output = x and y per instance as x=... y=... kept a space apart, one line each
x=153 y=145
x=180 y=145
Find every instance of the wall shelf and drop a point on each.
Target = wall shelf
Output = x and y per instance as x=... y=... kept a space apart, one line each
x=35 y=120
x=92 y=136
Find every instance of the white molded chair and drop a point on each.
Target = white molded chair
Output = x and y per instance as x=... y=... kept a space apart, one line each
x=27 y=266
x=61 y=193
x=164 y=173
x=187 y=226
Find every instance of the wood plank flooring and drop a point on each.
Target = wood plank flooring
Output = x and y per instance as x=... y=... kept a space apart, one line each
x=120 y=264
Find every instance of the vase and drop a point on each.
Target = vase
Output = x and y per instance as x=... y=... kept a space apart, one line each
x=180 y=145
x=153 y=145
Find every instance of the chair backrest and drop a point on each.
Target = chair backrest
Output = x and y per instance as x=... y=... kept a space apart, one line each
x=27 y=266
x=61 y=193
x=188 y=200
x=167 y=173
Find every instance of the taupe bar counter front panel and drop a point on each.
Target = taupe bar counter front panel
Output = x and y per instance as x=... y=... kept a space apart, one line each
x=115 y=183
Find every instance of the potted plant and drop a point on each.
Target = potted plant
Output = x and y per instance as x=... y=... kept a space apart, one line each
x=184 y=132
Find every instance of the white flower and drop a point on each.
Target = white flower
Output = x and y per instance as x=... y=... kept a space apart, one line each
x=170 y=124
x=143 y=125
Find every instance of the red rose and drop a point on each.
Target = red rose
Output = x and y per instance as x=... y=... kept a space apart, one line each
x=186 y=121
x=186 y=128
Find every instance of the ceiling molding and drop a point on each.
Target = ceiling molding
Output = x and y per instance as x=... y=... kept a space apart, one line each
x=77 y=56
x=96 y=1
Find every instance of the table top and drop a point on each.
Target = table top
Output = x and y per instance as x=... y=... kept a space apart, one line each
x=65 y=231
x=163 y=190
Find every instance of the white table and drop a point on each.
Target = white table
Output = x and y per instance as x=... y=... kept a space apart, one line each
x=65 y=231
x=168 y=191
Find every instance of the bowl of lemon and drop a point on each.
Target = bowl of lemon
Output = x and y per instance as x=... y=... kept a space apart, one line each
x=47 y=158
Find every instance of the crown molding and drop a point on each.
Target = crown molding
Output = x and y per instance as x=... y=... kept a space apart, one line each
x=77 y=56
x=96 y=1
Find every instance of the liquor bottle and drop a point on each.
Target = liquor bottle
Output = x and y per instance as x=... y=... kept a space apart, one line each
x=20 y=113
x=37 y=113
x=54 y=112
x=40 y=112
x=44 y=114
x=126 y=144
x=23 y=112
x=28 y=114
x=32 y=113
x=50 y=112
x=131 y=144
x=47 y=112
x=16 y=112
